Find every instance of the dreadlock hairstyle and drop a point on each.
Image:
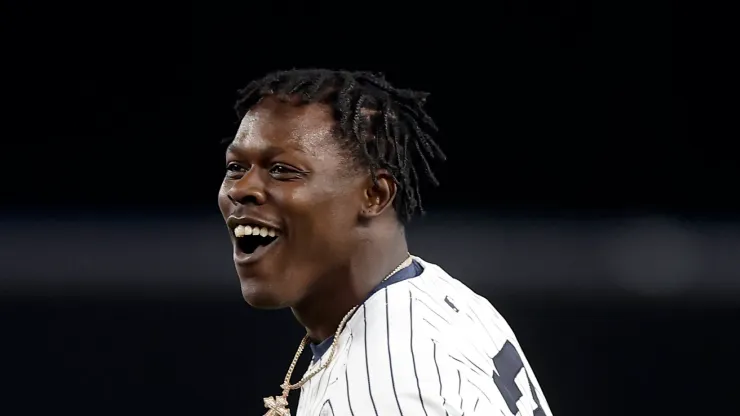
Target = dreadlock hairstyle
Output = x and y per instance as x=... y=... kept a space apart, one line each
x=383 y=127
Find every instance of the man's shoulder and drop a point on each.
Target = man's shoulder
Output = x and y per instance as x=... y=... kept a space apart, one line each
x=446 y=305
x=434 y=307
x=443 y=346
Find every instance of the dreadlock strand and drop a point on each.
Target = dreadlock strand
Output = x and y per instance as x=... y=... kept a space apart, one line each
x=392 y=137
x=357 y=121
x=421 y=135
x=297 y=86
x=315 y=87
x=419 y=112
x=345 y=104
x=414 y=198
x=425 y=163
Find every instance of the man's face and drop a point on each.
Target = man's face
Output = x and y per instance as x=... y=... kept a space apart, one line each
x=285 y=172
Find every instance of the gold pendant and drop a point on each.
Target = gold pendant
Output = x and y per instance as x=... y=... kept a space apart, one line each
x=276 y=406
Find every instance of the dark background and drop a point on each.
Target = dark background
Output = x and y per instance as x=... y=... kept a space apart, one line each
x=589 y=194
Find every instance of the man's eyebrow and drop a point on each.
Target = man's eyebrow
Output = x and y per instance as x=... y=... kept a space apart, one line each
x=269 y=151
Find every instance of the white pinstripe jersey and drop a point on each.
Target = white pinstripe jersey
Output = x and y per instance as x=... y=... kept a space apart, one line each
x=425 y=346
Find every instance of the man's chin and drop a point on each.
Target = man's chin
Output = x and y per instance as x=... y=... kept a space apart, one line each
x=263 y=299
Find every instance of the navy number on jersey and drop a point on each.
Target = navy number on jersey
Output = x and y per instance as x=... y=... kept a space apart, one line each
x=509 y=363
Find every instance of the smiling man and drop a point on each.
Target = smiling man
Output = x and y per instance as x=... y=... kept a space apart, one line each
x=321 y=178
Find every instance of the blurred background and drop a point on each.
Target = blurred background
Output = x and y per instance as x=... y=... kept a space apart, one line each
x=589 y=195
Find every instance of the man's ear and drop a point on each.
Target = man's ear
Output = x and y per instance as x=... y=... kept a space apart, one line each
x=379 y=195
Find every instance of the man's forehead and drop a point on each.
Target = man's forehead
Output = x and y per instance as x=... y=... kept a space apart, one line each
x=304 y=131
x=255 y=141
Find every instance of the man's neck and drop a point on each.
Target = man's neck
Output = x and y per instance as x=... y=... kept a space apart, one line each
x=322 y=312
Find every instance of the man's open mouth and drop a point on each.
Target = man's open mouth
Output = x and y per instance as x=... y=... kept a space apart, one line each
x=249 y=238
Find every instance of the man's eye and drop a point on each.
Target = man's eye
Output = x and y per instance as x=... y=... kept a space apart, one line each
x=279 y=169
x=233 y=168
x=282 y=172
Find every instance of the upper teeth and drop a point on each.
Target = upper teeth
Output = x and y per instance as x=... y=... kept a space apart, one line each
x=244 y=230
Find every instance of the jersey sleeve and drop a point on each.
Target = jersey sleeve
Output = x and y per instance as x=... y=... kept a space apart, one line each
x=480 y=369
x=468 y=386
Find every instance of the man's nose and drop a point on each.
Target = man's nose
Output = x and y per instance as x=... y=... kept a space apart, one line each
x=249 y=189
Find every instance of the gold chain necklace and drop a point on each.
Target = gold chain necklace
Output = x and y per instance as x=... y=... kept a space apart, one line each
x=278 y=405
